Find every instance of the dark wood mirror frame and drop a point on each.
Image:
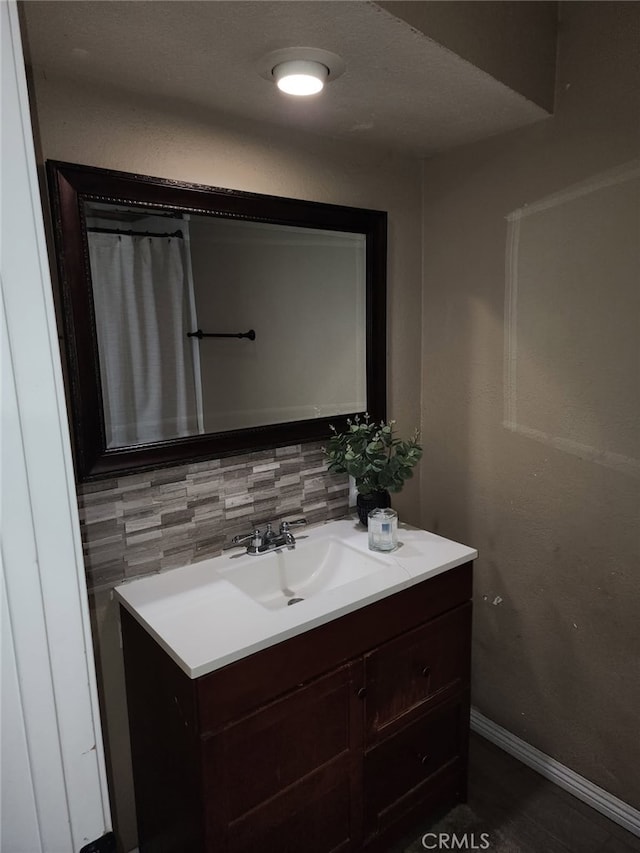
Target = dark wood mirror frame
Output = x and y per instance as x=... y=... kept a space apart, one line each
x=69 y=186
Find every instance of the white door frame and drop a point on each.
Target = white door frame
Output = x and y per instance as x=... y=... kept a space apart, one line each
x=53 y=786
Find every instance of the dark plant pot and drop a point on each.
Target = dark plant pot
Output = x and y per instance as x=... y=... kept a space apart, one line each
x=366 y=503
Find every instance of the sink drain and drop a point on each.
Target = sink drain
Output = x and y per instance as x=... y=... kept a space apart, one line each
x=294 y=601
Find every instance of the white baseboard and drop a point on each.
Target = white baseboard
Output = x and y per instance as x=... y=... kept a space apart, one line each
x=599 y=799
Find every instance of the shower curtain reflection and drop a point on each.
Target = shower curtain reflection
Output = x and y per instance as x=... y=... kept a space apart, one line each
x=143 y=311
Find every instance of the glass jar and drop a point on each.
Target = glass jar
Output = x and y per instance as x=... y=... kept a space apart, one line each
x=383 y=529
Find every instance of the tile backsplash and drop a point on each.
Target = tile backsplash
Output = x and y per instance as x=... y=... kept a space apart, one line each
x=143 y=523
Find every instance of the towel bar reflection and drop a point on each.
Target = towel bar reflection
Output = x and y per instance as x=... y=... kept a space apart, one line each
x=251 y=335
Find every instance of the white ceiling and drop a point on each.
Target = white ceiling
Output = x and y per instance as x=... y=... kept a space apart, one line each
x=400 y=89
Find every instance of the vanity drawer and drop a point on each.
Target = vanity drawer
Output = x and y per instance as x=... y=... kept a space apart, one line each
x=426 y=665
x=402 y=770
x=250 y=761
x=314 y=816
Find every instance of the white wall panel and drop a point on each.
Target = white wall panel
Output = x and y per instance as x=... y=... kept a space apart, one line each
x=51 y=737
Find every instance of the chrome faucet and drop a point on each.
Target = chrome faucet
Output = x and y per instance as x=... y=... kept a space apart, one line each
x=261 y=543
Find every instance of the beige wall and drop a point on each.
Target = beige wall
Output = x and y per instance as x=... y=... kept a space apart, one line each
x=110 y=129
x=531 y=401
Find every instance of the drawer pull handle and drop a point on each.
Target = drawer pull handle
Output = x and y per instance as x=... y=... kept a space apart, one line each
x=425 y=759
x=362 y=692
x=425 y=672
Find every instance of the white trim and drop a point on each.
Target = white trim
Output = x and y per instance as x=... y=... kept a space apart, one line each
x=510 y=323
x=610 y=459
x=611 y=178
x=599 y=799
x=617 y=461
x=56 y=741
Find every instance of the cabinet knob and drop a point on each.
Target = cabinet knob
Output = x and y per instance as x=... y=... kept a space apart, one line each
x=425 y=672
x=425 y=759
x=361 y=693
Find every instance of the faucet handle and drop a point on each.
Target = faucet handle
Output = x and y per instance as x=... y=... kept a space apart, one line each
x=254 y=538
x=286 y=525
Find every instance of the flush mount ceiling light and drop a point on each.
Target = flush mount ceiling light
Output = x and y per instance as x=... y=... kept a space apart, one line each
x=300 y=77
x=301 y=70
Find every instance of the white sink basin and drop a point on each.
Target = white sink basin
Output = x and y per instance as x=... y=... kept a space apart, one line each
x=284 y=577
x=212 y=613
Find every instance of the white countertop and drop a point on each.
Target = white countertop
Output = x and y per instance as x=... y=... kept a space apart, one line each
x=204 y=622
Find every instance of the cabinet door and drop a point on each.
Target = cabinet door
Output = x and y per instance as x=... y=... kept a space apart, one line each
x=423 y=764
x=416 y=670
x=289 y=774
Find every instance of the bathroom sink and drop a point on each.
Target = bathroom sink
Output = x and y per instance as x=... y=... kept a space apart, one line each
x=287 y=577
x=216 y=611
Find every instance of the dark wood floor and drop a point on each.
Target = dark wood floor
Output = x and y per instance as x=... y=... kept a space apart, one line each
x=525 y=813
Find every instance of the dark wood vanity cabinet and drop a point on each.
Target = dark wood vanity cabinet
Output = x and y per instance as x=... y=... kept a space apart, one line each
x=335 y=740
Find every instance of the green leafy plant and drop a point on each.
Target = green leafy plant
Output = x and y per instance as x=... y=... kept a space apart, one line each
x=371 y=454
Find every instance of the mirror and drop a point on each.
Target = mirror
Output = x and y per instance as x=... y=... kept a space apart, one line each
x=202 y=322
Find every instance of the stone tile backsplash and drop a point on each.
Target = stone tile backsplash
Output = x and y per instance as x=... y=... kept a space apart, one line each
x=143 y=523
